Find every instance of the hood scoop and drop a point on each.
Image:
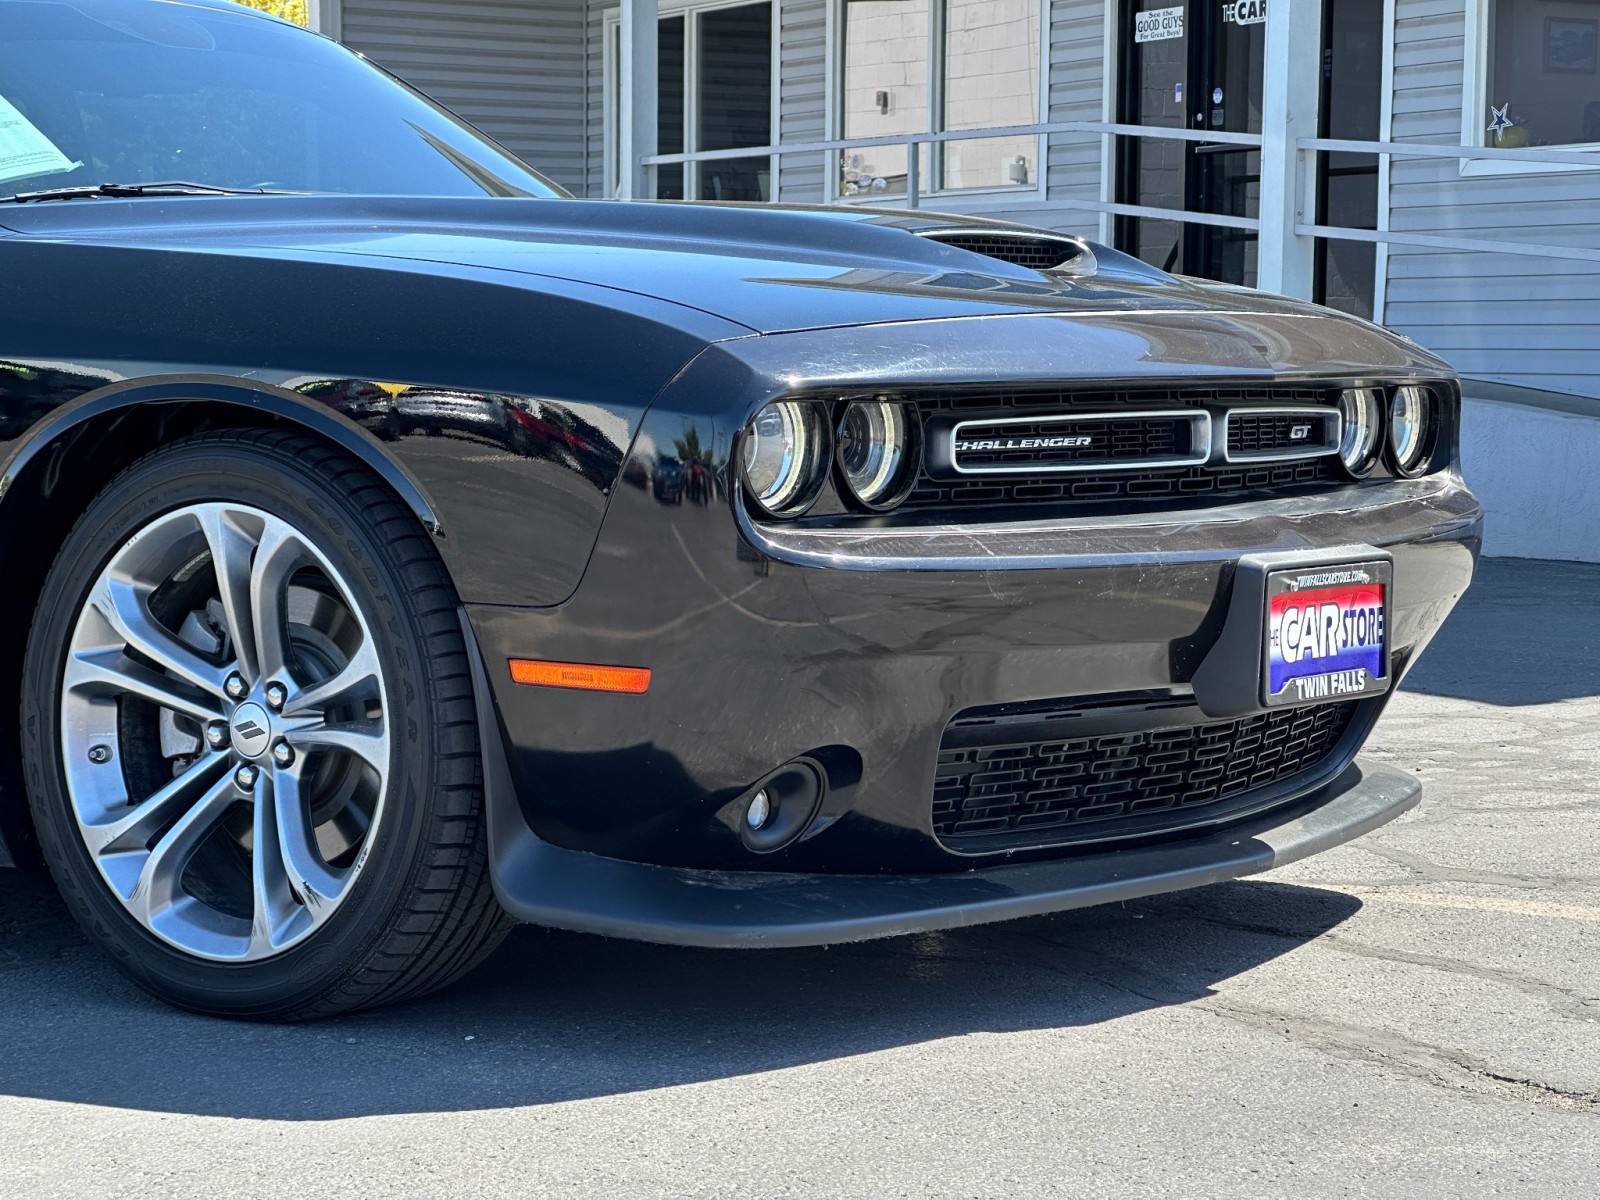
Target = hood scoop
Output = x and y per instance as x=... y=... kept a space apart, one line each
x=1050 y=253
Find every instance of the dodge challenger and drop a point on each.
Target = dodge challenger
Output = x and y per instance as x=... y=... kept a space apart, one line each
x=397 y=548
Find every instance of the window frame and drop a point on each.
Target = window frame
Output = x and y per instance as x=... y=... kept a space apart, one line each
x=611 y=83
x=983 y=197
x=1475 y=90
x=325 y=17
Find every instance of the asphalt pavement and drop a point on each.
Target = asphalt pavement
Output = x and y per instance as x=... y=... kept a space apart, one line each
x=1415 y=1014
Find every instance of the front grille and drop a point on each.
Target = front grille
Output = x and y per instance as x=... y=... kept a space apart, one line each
x=1051 y=489
x=1041 y=775
x=1024 y=446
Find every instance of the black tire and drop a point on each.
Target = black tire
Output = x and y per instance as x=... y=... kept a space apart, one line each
x=421 y=911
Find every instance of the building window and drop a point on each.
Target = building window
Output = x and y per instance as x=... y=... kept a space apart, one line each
x=920 y=66
x=1542 y=84
x=714 y=74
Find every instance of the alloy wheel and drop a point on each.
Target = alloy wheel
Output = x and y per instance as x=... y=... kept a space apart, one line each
x=225 y=738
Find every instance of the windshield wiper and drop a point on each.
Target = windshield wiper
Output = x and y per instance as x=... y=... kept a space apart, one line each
x=126 y=191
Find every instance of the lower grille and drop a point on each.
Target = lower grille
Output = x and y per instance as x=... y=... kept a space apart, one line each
x=1037 y=775
x=1232 y=481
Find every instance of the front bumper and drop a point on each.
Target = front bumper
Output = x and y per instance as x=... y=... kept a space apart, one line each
x=857 y=650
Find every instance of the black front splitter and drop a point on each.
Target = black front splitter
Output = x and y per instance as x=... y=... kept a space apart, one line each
x=569 y=889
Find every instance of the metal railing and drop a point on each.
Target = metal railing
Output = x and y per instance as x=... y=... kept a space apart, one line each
x=913 y=144
x=1577 y=158
x=1307 y=149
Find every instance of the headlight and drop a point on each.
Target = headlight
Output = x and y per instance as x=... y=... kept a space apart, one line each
x=878 y=449
x=785 y=457
x=1362 y=410
x=1410 y=428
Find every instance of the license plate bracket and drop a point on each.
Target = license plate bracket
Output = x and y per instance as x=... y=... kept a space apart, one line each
x=1325 y=636
x=1234 y=676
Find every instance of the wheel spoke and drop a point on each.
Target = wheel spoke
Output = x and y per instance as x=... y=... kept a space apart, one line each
x=158 y=887
x=278 y=555
x=294 y=890
x=368 y=742
x=318 y=884
x=275 y=912
x=131 y=831
x=111 y=671
x=125 y=608
x=361 y=668
x=231 y=552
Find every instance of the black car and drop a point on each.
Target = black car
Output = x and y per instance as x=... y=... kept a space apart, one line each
x=396 y=547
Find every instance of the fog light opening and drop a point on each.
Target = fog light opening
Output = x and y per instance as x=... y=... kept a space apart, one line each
x=780 y=808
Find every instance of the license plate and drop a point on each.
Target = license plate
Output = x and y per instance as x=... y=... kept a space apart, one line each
x=1327 y=633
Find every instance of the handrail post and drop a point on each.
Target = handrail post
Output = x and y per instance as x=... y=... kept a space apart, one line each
x=1289 y=112
x=640 y=98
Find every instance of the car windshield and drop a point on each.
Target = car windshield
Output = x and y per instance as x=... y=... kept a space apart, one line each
x=147 y=91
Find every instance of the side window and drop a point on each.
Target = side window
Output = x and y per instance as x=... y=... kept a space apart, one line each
x=1542 y=85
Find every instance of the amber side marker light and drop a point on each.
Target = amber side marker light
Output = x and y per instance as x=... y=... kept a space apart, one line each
x=634 y=681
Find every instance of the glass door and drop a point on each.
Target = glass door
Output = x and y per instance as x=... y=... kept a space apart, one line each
x=1192 y=66
x=670 y=81
x=1347 y=184
x=733 y=100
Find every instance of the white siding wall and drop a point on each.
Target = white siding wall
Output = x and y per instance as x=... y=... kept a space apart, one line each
x=594 y=91
x=1528 y=321
x=803 y=107
x=1080 y=75
x=514 y=68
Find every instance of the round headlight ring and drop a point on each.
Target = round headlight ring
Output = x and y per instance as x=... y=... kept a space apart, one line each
x=1412 y=428
x=1361 y=425
x=783 y=455
x=878 y=452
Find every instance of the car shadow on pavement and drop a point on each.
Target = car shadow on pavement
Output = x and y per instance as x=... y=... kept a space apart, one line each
x=1523 y=634
x=555 y=1017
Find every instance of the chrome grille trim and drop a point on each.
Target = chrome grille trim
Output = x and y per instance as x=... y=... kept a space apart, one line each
x=1199 y=442
x=1326 y=415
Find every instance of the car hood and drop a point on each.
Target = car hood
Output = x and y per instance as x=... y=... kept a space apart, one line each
x=765 y=268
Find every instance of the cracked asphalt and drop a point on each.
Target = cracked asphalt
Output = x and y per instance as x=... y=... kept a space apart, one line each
x=1417 y=1013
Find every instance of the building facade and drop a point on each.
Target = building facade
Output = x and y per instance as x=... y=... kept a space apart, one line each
x=1432 y=164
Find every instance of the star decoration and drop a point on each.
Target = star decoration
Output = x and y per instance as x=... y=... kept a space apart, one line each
x=1500 y=121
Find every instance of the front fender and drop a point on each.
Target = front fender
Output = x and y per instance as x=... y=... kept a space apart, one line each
x=258 y=398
